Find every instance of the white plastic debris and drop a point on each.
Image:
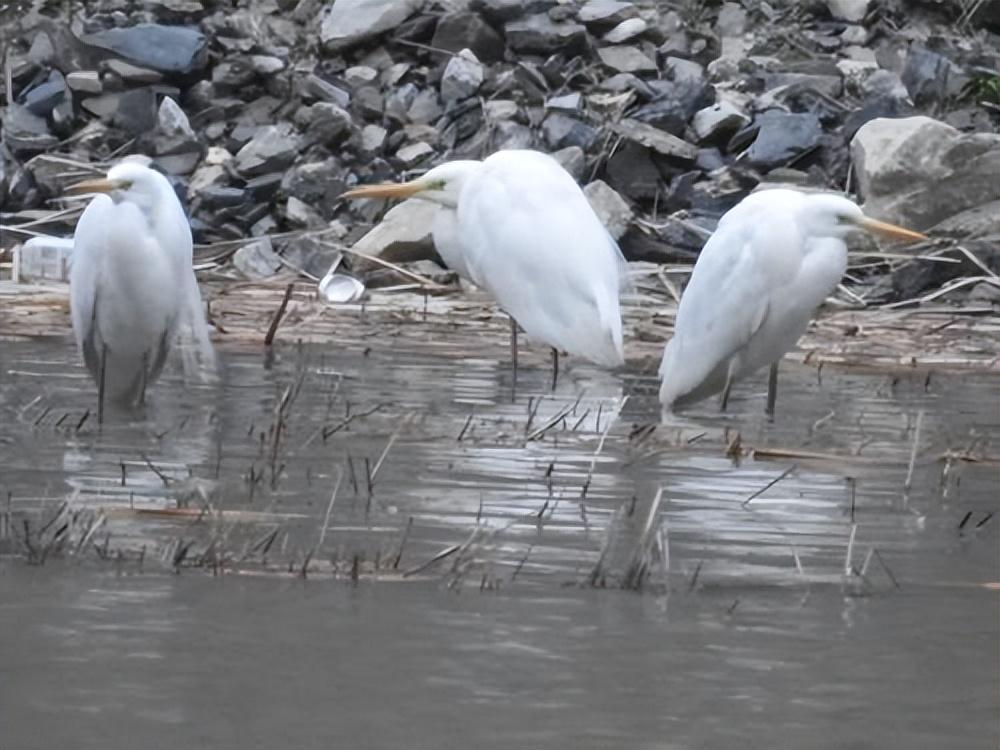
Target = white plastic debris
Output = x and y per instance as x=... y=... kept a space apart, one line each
x=43 y=259
x=339 y=287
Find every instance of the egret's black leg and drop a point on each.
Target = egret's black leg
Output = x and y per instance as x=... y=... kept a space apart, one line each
x=145 y=379
x=555 y=367
x=513 y=347
x=100 y=384
x=724 y=402
x=772 y=390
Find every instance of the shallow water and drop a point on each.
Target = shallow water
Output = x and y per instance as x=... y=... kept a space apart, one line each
x=202 y=630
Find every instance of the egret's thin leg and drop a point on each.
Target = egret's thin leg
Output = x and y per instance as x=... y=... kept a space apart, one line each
x=725 y=392
x=145 y=378
x=513 y=347
x=555 y=367
x=100 y=384
x=772 y=390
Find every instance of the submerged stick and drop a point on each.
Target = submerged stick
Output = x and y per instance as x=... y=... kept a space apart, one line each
x=273 y=328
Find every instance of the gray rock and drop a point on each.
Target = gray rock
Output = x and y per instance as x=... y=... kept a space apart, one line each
x=884 y=84
x=848 y=10
x=348 y=22
x=360 y=75
x=628 y=29
x=625 y=59
x=561 y=130
x=613 y=210
x=425 y=107
x=571 y=159
x=41 y=50
x=171 y=120
x=314 y=87
x=658 y=140
x=135 y=111
x=373 y=138
x=272 y=148
x=463 y=75
x=606 y=13
x=399 y=100
x=781 y=137
x=266 y=65
x=168 y=49
x=317 y=183
x=572 y=102
x=301 y=214
x=43 y=98
x=500 y=11
x=732 y=20
x=540 y=34
x=133 y=74
x=233 y=73
x=85 y=81
x=631 y=171
x=919 y=172
x=930 y=77
x=500 y=109
x=460 y=30
x=328 y=123
x=257 y=260
x=403 y=235
x=985 y=292
x=717 y=123
x=218 y=196
x=414 y=153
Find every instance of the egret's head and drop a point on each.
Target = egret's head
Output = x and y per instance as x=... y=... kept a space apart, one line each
x=132 y=182
x=828 y=215
x=443 y=185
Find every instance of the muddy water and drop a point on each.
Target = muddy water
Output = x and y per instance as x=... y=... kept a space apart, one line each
x=448 y=602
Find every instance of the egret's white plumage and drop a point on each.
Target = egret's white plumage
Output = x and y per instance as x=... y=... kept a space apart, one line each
x=518 y=225
x=133 y=292
x=770 y=263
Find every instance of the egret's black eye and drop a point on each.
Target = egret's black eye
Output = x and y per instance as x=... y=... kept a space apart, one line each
x=437 y=185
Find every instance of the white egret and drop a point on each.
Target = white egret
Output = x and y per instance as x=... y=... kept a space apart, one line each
x=132 y=287
x=518 y=225
x=771 y=262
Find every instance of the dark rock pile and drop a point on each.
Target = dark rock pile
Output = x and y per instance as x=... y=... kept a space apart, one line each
x=263 y=111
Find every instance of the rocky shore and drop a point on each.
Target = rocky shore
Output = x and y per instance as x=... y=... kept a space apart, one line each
x=263 y=112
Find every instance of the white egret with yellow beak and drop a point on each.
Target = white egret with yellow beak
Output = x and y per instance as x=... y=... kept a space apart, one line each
x=518 y=225
x=771 y=262
x=133 y=292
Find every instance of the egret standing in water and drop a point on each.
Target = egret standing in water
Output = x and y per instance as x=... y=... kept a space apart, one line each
x=771 y=262
x=518 y=225
x=132 y=286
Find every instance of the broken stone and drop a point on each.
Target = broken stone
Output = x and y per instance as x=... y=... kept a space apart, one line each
x=328 y=123
x=373 y=138
x=571 y=159
x=404 y=234
x=87 y=81
x=233 y=74
x=45 y=97
x=625 y=59
x=168 y=49
x=266 y=65
x=348 y=22
x=500 y=109
x=171 y=120
x=314 y=87
x=561 y=130
x=613 y=211
x=272 y=148
x=918 y=172
x=540 y=34
x=41 y=50
x=606 y=13
x=717 y=123
x=782 y=137
x=460 y=30
x=627 y=29
x=930 y=77
x=257 y=260
x=732 y=20
x=359 y=75
x=413 y=154
x=133 y=74
x=462 y=77
x=300 y=214
x=848 y=10
x=658 y=140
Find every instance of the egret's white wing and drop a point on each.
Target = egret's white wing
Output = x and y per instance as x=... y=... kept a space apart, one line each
x=723 y=305
x=533 y=241
x=85 y=267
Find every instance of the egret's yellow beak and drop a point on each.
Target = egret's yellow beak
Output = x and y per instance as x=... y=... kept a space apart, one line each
x=890 y=230
x=389 y=190
x=95 y=186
